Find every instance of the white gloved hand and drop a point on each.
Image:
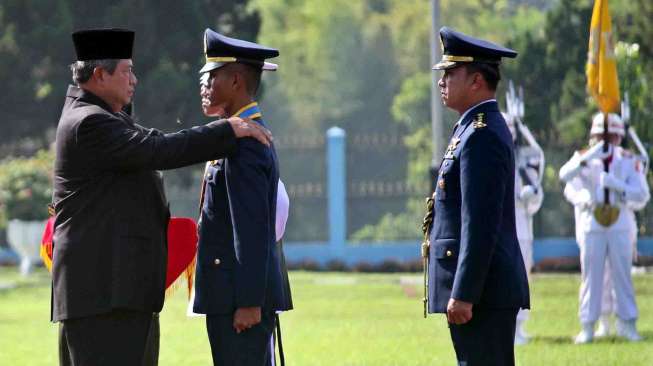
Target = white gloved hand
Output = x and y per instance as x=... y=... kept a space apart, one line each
x=596 y=152
x=283 y=207
x=527 y=192
x=583 y=198
x=600 y=195
x=608 y=180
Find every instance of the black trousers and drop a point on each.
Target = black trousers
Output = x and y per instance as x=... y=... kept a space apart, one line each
x=116 y=338
x=251 y=347
x=151 y=357
x=487 y=340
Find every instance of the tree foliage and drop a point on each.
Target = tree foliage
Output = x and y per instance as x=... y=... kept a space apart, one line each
x=332 y=54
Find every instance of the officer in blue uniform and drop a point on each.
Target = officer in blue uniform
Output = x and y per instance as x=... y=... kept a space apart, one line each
x=239 y=279
x=476 y=274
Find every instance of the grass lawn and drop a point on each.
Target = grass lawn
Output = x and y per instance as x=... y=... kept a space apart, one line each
x=341 y=319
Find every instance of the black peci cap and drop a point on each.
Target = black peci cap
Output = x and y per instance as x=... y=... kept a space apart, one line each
x=100 y=44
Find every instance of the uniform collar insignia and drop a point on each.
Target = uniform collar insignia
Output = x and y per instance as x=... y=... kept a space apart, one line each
x=479 y=121
x=251 y=111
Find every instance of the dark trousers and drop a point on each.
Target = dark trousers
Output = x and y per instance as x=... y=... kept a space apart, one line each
x=249 y=348
x=115 y=338
x=487 y=340
x=151 y=357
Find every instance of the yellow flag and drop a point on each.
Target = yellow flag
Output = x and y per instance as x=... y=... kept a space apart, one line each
x=602 y=80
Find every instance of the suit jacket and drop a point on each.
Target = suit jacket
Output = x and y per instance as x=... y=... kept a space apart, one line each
x=239 y=263
x=474 y=254
x=110 y=247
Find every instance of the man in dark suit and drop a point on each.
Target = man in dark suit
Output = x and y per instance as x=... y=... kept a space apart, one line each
x=111 y=214
x=476 y=272
x=239 y=282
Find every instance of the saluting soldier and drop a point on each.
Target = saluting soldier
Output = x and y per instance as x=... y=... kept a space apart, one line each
x=240 y=278
x=608 y=301
x=476 y=272
x=111 y=214
x=604 y=227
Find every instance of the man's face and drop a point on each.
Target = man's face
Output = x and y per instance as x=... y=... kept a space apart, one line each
x=119 y=87
x=454 y=86
x=215 y=90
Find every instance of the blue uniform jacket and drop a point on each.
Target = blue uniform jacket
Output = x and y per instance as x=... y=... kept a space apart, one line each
x=238 y=264
x=474 y=253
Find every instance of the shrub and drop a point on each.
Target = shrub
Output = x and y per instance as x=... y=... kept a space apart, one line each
x=336 y=265
x=305 y=264
x=26 y=187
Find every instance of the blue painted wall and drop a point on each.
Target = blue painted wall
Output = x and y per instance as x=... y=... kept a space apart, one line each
x=373 y=253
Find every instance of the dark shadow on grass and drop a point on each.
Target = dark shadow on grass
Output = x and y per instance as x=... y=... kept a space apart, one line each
x=553 y=339
x=32 y=284
x=648 y=338
x=23 y=284
x=6 y=286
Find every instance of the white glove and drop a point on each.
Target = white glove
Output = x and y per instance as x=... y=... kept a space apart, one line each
x=527 y=192
x=283 y=207
x=608 y=180
x=600 y=196
x=583 y=198
x=596 y=152
x=573 y=167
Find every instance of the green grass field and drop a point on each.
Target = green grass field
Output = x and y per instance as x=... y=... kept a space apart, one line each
x=341 y=319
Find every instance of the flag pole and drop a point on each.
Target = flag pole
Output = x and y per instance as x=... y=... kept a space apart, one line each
x=606 y=161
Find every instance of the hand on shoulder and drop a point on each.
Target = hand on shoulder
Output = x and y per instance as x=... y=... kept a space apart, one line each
x=248 y=128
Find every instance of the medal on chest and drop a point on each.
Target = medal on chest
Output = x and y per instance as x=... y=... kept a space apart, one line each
x=451 y=149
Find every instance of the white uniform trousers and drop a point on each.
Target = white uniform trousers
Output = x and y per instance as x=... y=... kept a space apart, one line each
x=616 y=247
x=609 y=296
x=608 y=299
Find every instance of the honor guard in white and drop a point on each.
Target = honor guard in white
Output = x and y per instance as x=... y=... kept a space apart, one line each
x=529 y=169
x=608 y=300
x=603 y=183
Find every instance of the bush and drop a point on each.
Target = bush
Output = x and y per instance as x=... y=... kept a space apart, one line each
x=336 y=265
x=305 y=264
x=26 y=187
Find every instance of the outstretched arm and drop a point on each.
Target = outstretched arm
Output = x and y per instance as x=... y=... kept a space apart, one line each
x=116 y=145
